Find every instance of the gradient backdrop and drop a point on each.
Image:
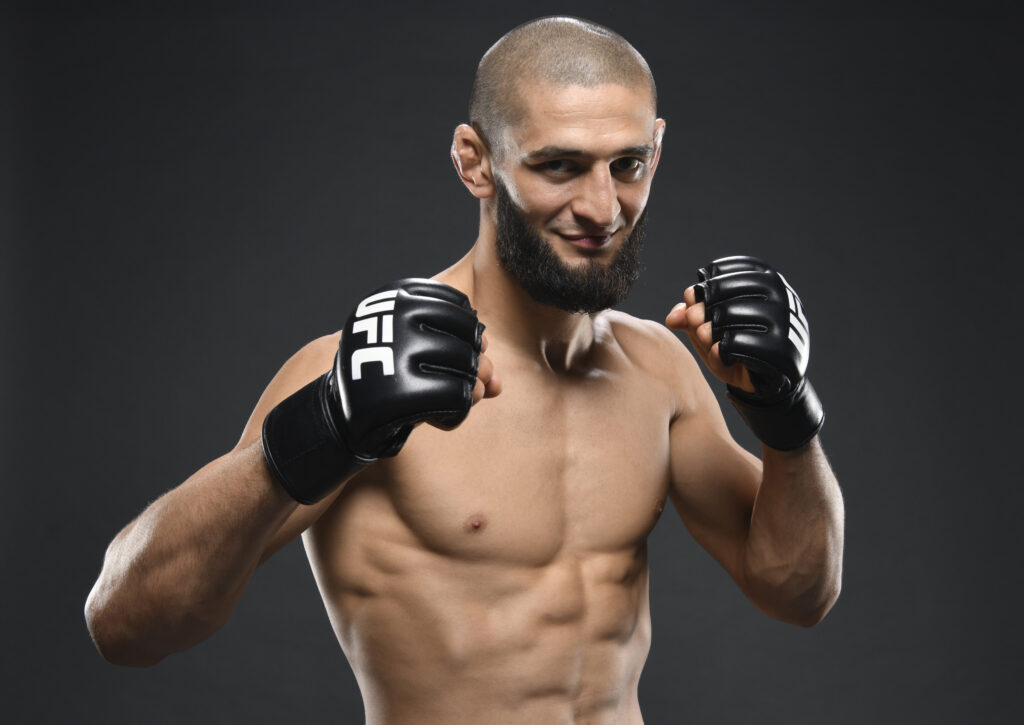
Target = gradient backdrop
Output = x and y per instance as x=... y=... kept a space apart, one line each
x=192 y=194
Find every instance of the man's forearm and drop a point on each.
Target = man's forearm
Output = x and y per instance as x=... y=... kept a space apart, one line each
x=173 y=576
x=794 y=551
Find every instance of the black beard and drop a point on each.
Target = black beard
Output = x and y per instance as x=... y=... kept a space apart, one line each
x=586 y=287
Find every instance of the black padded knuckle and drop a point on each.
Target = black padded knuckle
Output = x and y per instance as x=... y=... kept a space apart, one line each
x=738 y=263
x=420 y=287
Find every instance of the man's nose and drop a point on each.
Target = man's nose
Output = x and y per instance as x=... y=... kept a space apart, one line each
x=598 y=199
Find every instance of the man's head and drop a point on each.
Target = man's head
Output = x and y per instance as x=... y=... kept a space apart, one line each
x=557 y=52
x=562 y=148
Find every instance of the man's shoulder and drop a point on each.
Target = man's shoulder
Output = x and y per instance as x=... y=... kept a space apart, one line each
x=660 y=353
x=315 y=355
x=310 y=362
x=647 y=343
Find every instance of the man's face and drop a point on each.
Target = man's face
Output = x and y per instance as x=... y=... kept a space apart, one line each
x=572 y=193
x=589 y=286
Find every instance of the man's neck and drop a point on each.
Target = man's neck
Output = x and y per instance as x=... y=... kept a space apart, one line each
x=555 y=338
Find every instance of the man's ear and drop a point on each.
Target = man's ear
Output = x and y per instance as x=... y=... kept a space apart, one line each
x=659 y=134
x=472 y=161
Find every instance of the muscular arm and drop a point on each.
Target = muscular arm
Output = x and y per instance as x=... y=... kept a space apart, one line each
x=793 y=555
x=173 y=576
x=776 y=525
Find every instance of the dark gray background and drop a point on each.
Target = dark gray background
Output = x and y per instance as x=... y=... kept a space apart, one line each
x=192 y=194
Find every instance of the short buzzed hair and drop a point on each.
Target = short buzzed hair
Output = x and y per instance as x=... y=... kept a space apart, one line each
x=561 y=51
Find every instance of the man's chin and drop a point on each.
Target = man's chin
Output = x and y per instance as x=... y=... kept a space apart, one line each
x=583 y=260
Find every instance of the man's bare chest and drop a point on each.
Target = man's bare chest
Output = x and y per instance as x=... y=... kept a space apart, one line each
x=538 y=470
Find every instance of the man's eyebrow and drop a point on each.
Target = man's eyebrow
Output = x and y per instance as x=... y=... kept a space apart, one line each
x=644 y=151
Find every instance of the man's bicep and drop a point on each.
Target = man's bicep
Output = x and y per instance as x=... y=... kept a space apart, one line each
x=309 y=363
x=714 y=481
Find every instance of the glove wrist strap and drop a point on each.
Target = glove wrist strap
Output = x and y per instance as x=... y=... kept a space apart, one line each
x=784 y=424
x=305 y=451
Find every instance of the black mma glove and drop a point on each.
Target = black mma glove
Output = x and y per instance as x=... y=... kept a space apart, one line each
x=758 y=321
x=408 y=354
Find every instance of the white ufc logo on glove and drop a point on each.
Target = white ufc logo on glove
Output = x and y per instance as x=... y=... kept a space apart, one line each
x=799 y=335
x=370 y=321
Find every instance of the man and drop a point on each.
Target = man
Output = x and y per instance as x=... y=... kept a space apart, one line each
x=491 y=566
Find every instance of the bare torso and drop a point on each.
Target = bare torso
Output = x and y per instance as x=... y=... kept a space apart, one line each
x=498 y=572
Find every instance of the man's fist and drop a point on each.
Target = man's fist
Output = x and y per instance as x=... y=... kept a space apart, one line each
x=743 y=311
x=409 y=353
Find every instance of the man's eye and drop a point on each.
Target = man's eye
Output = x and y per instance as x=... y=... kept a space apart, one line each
x=560 y=166
x=627 y=165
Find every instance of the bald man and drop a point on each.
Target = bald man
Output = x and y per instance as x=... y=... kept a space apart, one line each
x=475 y=507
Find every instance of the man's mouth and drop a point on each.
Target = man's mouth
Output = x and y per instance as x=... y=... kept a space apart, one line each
x=588 y=241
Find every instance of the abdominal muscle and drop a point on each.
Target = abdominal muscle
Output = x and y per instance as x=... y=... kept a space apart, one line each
x=437 y=638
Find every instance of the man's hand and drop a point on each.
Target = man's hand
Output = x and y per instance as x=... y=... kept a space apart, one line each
x=689 y=317
x=411 y=352
x=743 y=311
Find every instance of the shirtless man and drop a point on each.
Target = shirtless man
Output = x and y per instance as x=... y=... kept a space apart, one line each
x=493 y=569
